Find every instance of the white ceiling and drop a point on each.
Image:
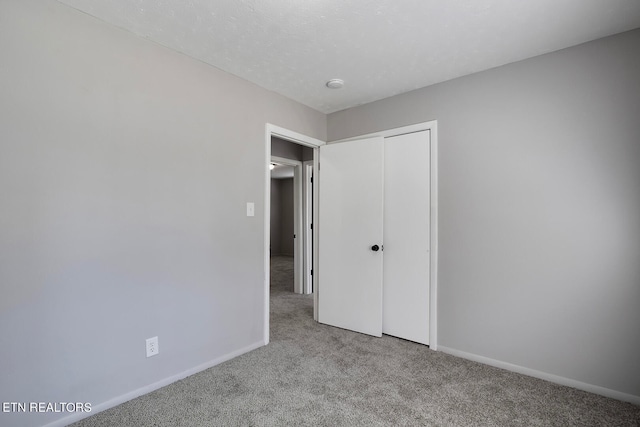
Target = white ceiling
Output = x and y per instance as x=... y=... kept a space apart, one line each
x=379 y=48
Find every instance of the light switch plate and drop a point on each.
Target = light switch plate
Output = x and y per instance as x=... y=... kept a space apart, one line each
x=251 y=209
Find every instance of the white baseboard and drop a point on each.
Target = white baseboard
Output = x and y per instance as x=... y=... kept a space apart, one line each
x=544 y=376
x=151 y=387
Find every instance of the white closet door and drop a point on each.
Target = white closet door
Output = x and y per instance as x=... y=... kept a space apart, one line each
x=350 y=226
x=407 y=236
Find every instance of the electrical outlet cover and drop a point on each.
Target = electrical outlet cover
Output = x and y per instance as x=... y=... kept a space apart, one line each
x=152 y=346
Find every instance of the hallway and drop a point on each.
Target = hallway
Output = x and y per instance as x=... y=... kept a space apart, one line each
x=287 y=309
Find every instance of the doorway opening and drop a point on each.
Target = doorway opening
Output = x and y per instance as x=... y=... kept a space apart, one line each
x=286 y=241
x=290 y=159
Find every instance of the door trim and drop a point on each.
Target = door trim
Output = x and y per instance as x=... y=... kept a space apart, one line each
x=298 y=138
x=307 y=223
x=431 y=126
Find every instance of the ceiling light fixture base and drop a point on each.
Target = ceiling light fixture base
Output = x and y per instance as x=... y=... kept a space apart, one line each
x=335 y=84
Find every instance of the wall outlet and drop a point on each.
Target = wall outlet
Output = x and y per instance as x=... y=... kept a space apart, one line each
x=152 y=346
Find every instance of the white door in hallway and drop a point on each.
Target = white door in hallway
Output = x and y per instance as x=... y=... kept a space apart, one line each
x=350 y=235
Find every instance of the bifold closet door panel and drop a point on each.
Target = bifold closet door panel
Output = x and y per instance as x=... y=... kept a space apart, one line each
x=407 y=236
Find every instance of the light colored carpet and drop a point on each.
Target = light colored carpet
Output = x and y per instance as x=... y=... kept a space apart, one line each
x=316 y=375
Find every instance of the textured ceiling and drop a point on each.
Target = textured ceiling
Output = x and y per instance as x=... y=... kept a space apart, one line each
x=378 y=47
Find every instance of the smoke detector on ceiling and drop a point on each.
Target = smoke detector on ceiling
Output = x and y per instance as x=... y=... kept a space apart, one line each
x=335 y=83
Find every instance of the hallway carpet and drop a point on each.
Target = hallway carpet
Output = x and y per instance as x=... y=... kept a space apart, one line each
x=316 y=375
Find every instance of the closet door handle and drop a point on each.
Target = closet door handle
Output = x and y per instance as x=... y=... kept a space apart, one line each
x=375 y=248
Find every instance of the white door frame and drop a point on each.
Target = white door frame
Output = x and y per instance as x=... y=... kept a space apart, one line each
x=288 y=135
x=431 y=126
x=307 y=224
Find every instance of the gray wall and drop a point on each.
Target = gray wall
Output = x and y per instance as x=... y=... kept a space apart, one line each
x=286 y=149
x=282 y=217
x=290 y=150
x=286 y=219
x=539 y=208
x=124 y=173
